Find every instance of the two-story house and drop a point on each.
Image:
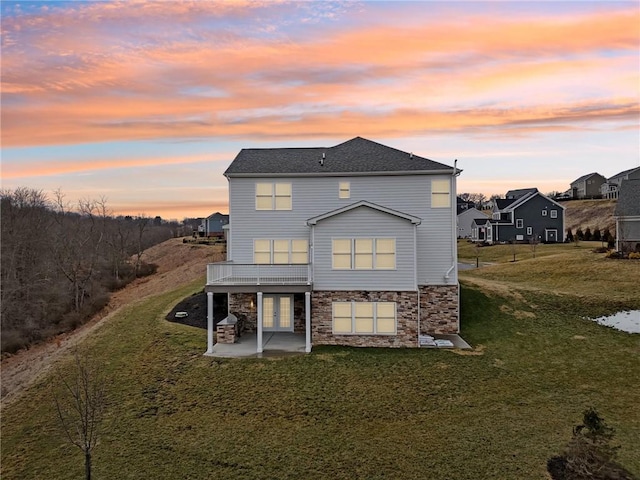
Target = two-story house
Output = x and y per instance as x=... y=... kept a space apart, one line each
x=528 y=217
x=213 y=225
x=587 y=186
x=353 y=244
x=611 y=188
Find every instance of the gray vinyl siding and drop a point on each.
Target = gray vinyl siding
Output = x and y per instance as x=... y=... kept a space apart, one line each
x=364 y=222
x=531 y=213
x=312 y=196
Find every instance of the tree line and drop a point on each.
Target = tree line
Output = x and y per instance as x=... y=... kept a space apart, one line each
x=59 y=261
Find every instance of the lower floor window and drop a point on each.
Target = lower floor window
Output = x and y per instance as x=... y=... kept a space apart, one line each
x=364 y=318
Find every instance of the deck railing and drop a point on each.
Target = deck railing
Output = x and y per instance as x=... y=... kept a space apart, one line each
x=229 y=273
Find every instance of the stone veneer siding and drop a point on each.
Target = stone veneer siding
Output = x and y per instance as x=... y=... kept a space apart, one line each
x=439 y=309
x=406 y=316
x=240 y=306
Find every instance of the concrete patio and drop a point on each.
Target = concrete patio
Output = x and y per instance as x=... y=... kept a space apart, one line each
x=279 y=344
x=274 y=344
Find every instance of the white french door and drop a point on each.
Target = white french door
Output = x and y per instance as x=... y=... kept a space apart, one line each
x=277 y=313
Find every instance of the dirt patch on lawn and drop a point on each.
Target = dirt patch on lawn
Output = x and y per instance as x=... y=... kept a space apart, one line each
x=178 y=264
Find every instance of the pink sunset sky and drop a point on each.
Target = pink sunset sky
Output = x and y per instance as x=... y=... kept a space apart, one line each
x=145 y=103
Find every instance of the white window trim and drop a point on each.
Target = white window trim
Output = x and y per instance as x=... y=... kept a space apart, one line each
x=529 y=231
x=374 y=254
x=272 y=251
x=554 y=214
x=274 y=196
x=544 y=213
x=519 y=223
x=352 y=303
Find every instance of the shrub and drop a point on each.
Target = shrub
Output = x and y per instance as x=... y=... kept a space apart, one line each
x=579 y=234
x=614 y=254
x=569 y=235
x=634 y=255
x=587 y=235
x=589 y=454
x=600 y=250
x=606 y=235
x=146 y=269
x=596 y=235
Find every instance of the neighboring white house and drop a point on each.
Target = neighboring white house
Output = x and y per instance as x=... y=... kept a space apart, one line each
x=465 y=219
x=611 y=187
x=627 y=215
x=353 y=244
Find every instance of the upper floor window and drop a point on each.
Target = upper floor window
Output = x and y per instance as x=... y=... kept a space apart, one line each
x=344 y=190
x=544 y=213
x=364 y=253
x=440 y=192
x=519 y=223
x=554 y=214
x=273 y=196
x=280 y=251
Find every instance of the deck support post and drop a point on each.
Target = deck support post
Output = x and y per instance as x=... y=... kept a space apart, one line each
x=259 y=349
x=307 y=328
x=209 y=323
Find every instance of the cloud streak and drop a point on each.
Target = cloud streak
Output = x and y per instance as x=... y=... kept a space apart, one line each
x=88 y=86
x=105 y=80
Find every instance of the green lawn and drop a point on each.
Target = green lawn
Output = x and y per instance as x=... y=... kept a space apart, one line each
x=497 y=412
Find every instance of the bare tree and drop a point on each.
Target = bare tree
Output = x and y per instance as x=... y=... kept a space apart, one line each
x=77 y=247
x=533 y=243
x=143 y=223
x=81 y=406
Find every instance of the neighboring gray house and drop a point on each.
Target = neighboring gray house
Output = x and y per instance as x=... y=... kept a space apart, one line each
x=465 y=219
x=587 y=186
x=353 y=244
x=513 y=194
x=532 y=216
x=611 y=187
x=213 y=225
x=627 y=215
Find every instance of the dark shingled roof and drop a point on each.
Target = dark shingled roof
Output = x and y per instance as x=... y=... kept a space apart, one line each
x=502 y=203
x=629 y=199
x=520 y=192
x=584 y=177
x=357 y=155
x=623 y=173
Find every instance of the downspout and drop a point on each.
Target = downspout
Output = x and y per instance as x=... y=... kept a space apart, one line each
x=415 y=274
x=454 y=229
x=454 y=238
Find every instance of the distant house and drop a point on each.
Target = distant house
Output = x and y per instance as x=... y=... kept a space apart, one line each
x=212 y=226
x=466 y=217
x=627 y=215
x=611 y=187
x=587 y=186
x=513 y=194
x=481 y=230
x=529 y=217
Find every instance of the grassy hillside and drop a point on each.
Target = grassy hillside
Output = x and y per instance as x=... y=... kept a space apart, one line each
x=499 y=411
x=590 y=213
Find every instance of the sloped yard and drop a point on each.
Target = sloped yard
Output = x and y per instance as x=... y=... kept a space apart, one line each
x=499 y=411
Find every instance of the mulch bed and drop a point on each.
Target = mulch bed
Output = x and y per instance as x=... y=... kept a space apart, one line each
x=196 y=308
